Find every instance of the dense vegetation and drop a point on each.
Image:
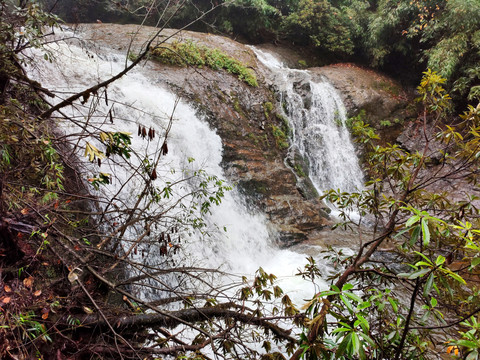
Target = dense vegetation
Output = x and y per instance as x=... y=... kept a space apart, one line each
x=401 y=37
x=410 y=291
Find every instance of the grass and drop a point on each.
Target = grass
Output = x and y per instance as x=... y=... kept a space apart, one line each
x=193 y=54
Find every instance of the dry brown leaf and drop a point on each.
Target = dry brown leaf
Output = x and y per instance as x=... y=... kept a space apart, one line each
x=24 y=211
x=7 y=288
x=45 y=315
x=37 y=293
x=6 y=300
x=28 y=282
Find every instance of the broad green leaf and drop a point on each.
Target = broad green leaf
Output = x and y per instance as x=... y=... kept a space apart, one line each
x=414 y=219
x=418 y=273
x=347 y=287
x=440 y=260
x=355 y=343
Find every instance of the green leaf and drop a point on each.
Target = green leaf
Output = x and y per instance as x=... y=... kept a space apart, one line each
x=425 y=232
x=440 y=260
x=353 y=297
x=347 y=303
x=428 y=285
x=343 y=345
x=368 y=339
x=364 y=305
x=418 y=273
x=467 y=343
x=363 y=323
x=414 y=219
x=342 y=329
x=415 y=235
x=394 y=304
x=457 y=277
x=347 y=287
x=475 y=262
x=355 y=343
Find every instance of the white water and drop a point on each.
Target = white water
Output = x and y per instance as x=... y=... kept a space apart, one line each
x=138 y=98
x=317 y=116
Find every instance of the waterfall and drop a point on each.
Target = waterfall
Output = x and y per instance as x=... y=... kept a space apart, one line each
x=317 y=116
x=139 y=99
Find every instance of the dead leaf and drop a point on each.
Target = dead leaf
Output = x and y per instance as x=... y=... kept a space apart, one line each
x=28 y=282
x=24 y=211
x=7 y=288
x=45 y=315
x=6 y=300
x=37 y=293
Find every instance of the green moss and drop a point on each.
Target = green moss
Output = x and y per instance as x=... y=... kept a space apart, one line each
x=268 y=107
x=280 y=138
x=285 y=124
x=191 y=53
x=299 y=170
x=387 y=86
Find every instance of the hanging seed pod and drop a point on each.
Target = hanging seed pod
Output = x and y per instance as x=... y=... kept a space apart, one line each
x=153 y=133
x=169 y=239
x=150 y=134
x=106 y=97
x=99 y=162
x=135 y=251
x=144 y=132
x=139 y=130
x=153 y=175
x=111 y=116
x=164 y=148
x=163 y=250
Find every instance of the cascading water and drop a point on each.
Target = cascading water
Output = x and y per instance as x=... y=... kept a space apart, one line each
x=317 y=117
x=138 y=98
